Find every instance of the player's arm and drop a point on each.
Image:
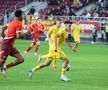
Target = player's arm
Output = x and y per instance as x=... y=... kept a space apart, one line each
x=48 y=35
x=19 y=34
x=2 y=33
x=68 y=44
x=43 y=29
x=55 y=41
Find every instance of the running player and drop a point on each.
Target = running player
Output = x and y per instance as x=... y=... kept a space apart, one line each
x=50 y=35
x=37 y=30
x=60 y=37
x=13 y=31
x=76 y=29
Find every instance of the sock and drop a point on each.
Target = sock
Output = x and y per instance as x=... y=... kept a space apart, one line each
x=10 y=65
x=37 y=47
x=28 y=49
x=36 y=68
x=54 y=62
x=63 y=71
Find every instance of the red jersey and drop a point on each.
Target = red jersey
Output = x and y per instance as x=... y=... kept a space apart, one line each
x=37 y=29
x=13 y=27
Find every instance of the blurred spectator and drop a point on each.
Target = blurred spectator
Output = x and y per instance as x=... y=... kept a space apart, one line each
x=95 y=14
x=88 y=15
x=94 y=34
x=71 y=12
x=32 y=10
x=106 y=32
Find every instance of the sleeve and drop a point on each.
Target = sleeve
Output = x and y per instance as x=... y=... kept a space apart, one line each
x=19 y=28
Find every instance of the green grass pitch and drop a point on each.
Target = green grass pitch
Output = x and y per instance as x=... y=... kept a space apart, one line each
x=89 y=70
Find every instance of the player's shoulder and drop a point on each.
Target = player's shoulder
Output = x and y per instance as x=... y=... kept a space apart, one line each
x=52 y=27
x=15 y=22
x=33 y=24
x=62 y=28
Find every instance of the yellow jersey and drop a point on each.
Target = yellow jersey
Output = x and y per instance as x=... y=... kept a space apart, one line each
x=63 y=34
x=76 y=29
x=53 y=31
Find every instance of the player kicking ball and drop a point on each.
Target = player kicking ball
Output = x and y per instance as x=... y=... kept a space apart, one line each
x=37 y=30
x=56 y=52
x=13 y=31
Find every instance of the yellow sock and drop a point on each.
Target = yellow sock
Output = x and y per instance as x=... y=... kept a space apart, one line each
x=54 y=62
x=44 y=56
x=36 y=68
x=63 y=71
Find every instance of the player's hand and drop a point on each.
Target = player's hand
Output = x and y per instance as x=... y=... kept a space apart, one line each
x=28 y=31
x=51 y=41
x=1 y=39
x=55 y=50
x=74 y=50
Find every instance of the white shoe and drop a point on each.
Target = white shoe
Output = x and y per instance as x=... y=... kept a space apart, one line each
x=68 y=67
x=64 y=78
x=30 y=74
x=3 y=71
x=25 y=53
x=35 y=54
x=92 y=42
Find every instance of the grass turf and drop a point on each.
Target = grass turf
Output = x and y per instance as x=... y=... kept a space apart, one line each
x=89 y=70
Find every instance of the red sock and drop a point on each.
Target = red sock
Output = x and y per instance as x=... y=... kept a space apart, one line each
x=28 y=49
x=37 y=47
x=10 y=65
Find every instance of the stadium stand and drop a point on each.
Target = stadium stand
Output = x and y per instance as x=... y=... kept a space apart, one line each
x=61 y=9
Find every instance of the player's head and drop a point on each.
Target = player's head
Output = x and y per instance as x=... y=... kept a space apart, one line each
x=67 y=25
x=39 y=21
x=19 y=14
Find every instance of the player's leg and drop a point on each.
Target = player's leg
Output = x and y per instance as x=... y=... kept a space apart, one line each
x=46 y=63
x=63 y=71
x=29 y=48
x=41 y=57
x=54 y=64
x=77 y=41
x=106 y=37
x=37 y=47
x=1 y=68
x=65 y=60
x=5 y=50
x=19 y=59
x=45 y=56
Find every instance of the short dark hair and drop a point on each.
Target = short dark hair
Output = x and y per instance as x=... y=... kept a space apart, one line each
x=18 y=13
x=67 y=22
x=38 y=18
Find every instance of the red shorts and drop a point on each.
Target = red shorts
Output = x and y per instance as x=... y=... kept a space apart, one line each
x=34 y=39
x=7 y=49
